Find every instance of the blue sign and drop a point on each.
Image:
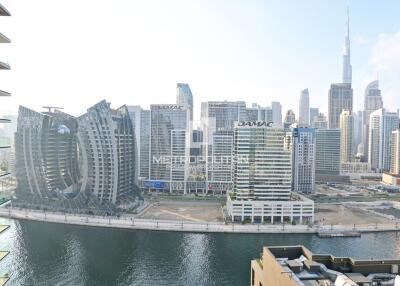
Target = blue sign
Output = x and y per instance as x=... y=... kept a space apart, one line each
x=155 y=184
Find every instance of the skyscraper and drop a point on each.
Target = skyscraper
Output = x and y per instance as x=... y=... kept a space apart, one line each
x=263 y=176
x=169 y=147
x=320 y=122
x=395 y=153
x=347 y=69
x=303 y=159
x=47 y=155
x=314 y=111
x=346 y=136
x=372 y=101
x=184 y=97
x=381 y=125
x=108 y=143
x=262 y=168
x=218 y=119
x=290 y=117
x=141 y=126
x=340 y=98
x=276 y=112
x=304 y=108
x=327 y=156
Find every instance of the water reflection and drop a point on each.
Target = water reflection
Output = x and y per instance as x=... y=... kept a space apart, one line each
x=54 y=254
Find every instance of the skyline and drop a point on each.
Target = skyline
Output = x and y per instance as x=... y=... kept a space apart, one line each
x=223 y=51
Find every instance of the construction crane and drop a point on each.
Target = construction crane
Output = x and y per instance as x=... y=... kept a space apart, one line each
x=49 y=108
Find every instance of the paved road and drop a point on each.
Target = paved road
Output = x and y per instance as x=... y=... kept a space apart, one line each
x=130 y=222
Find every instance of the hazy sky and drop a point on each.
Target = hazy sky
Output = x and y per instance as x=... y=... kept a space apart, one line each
x=75 y=53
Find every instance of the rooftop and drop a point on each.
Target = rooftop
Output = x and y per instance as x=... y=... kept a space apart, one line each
x=299 y=266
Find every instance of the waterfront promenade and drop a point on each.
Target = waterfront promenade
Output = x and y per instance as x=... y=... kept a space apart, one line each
x=130 y=222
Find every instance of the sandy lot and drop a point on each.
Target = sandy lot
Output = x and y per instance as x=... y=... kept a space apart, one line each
x=339 y=214
x=187 y=211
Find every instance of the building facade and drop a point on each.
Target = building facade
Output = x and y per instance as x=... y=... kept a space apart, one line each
x=314 y=111
x=381 y=125
x=372 y=101
x=46 y=155
x=346 y=136
x=340 y=98
x=184 y=97
x=169 y=147
x=290 y=118
x=303 y=159
x=141 y=125
x=327 y=151
x=263 y=176
x=304 y=108
x=395 y=152
x=108 y=142
x=276 y=112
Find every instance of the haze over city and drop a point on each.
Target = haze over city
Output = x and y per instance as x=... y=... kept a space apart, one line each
x=75 y=53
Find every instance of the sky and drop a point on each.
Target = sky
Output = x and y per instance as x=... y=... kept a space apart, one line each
x=75 y=53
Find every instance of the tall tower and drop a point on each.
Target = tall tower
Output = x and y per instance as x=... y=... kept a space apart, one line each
x=347 y=69
x=346 y=137
x=304 y=108
x=184 y=97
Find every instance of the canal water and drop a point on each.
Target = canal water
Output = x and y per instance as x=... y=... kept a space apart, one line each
x=56 y=254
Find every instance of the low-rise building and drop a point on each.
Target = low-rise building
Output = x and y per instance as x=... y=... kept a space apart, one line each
x=298 y=266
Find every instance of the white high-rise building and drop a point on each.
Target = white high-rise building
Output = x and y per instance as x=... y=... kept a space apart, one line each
x=262 y=168
x=304 y=108
x=395 y=153
x=381 y=125
x=372 y=101
x=303 y=160
x=263 y=176
x=346 y=136
x=276 y=112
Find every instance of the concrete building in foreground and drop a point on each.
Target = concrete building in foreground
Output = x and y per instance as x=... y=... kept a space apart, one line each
x=298 y=266
x=381 y=125
x=262 y=180
x=303 y=159
x=108 y=143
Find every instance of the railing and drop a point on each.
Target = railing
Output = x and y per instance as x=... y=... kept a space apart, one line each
x=130 y=221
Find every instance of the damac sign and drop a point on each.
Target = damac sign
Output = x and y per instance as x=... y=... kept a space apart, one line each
x=167 y=106
x=255 y=123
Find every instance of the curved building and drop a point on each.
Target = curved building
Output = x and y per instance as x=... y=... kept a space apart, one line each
x=46 y=154
x=108 y=140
